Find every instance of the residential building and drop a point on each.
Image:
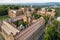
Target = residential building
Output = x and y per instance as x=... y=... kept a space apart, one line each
x=46 y=12
x=13 y=30
x=8 y=31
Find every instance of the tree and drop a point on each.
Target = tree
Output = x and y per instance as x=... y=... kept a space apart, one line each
x=49 y=10
x=24 y=24
x=18 y=23
x=52 y=31
x=46 y=18
x=57 y=12
x=36 y=16
x=56 y=23
x=49 y=32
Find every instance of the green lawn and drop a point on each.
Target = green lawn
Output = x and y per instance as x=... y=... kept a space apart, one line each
x=4 y=17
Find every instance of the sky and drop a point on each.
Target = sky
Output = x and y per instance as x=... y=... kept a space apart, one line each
x=27 y=1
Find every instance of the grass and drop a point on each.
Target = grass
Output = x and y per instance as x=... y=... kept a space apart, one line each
x=1 y=37
x=4 y=17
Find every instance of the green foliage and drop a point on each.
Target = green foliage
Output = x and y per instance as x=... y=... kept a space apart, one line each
x=49 y=33
x=36 y=16
x=4 y=17
x=18 y=23
x=52 y=31
x=46 y=18
x=49 y=10
x=24 y=24
x=14 y=7
x=57 y=12
x=4 y=9
x=56 y=23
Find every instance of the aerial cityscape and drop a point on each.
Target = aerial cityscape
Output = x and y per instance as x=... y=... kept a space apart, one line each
x=29 y=20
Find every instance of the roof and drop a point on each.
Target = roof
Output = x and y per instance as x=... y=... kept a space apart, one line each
x=6 y=30
x=30 y=30
x=18 y=18
x=9 y=28
x=14 y=11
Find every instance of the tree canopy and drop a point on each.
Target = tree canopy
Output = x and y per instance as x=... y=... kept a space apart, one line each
x=52 y=31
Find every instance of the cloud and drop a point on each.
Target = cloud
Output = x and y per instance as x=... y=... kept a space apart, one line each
x=5 y=1
x=27 y=1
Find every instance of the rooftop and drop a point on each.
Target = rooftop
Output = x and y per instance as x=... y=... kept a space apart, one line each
x=9 y=28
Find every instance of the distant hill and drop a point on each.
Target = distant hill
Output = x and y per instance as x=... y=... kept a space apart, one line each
x=42 y=4
x=36 y=4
